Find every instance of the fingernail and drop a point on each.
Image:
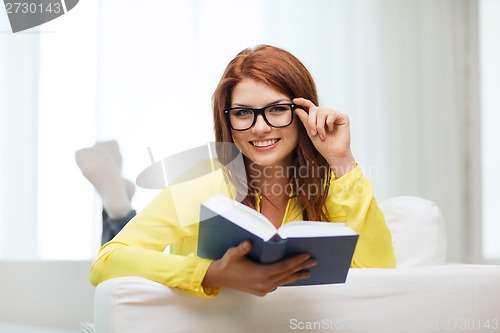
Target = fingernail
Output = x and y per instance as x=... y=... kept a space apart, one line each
x=306 y=257
x=313 y=263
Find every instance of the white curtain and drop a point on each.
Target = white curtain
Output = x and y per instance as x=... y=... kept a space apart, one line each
x=142 y=73
x=19 y=61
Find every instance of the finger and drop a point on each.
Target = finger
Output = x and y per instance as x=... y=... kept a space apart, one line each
x=311 y=109
x=307 y=104
x=330 y=122
x=321 y=124
x=340 y=118
x=304 y=117
x=239 y=251
x=294 y=277
x=290 y=266
x=313 y=120
x=244 y=248
x=299 y=272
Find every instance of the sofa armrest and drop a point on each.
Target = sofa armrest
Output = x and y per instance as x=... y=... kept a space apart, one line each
x=415 y=299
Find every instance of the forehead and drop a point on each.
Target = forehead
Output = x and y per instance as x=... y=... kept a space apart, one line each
x=253 y=93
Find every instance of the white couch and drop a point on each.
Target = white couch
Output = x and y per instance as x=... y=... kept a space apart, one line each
x=423 y=294
x=45 y=296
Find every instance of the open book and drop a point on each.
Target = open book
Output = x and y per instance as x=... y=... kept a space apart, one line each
x=225 y=223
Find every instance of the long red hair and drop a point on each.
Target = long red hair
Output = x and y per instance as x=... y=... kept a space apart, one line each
x=284 y=72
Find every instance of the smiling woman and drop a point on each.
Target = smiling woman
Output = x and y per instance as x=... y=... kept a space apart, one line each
x=318 y=136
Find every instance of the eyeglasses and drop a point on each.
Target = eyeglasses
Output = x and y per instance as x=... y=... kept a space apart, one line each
x=275 y=115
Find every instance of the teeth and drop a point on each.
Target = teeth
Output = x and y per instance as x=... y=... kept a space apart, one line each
x=264 y=143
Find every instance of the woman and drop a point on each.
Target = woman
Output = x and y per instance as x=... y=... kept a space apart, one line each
x=298 y=166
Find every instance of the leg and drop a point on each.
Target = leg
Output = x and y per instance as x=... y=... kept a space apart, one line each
x=111 y=227
x=101 y=165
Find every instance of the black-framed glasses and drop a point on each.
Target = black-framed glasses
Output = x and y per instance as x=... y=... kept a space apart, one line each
x=275 y=115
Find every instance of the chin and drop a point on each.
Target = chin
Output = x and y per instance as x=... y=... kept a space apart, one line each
x=270 y=162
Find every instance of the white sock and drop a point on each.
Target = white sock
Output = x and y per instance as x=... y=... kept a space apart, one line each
x=130 y=188
x=102 y=170
x=111 y=147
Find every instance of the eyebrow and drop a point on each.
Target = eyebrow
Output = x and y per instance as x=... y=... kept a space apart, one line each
x=233 y=105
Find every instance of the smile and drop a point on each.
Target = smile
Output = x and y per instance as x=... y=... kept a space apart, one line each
x=265 y=143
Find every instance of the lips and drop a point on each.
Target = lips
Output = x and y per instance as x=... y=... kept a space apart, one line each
x=264 y=143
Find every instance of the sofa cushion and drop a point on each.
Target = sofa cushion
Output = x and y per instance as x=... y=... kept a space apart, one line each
x=418 y=231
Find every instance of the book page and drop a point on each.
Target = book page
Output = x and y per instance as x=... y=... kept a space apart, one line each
x=242 y=215
x=314 y=229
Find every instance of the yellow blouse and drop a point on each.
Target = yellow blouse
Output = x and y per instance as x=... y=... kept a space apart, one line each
x=172 y=219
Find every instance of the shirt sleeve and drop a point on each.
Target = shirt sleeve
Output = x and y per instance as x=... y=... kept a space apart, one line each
x=138 y=250
x=351 y=200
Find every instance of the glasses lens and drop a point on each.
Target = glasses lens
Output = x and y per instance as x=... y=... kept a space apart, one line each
x=241 y=119
x=279 y=115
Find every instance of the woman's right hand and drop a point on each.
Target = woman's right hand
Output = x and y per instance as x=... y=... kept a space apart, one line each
x=234 y=270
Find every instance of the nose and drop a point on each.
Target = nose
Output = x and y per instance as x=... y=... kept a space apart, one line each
x=260 y=125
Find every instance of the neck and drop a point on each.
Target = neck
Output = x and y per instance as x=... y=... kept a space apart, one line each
x=270 y=181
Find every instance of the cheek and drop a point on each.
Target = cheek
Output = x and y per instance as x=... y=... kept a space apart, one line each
x=237 y=139
x=294 y=134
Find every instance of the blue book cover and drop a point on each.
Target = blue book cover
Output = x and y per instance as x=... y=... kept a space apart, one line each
x=225 y=223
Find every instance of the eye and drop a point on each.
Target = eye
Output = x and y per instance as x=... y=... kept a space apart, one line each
x=276 y=109
x=241 y=113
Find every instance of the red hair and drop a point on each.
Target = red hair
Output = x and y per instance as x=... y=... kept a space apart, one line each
x=285 y=73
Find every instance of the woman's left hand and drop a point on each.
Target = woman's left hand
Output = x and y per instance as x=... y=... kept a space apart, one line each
x=330 y=133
